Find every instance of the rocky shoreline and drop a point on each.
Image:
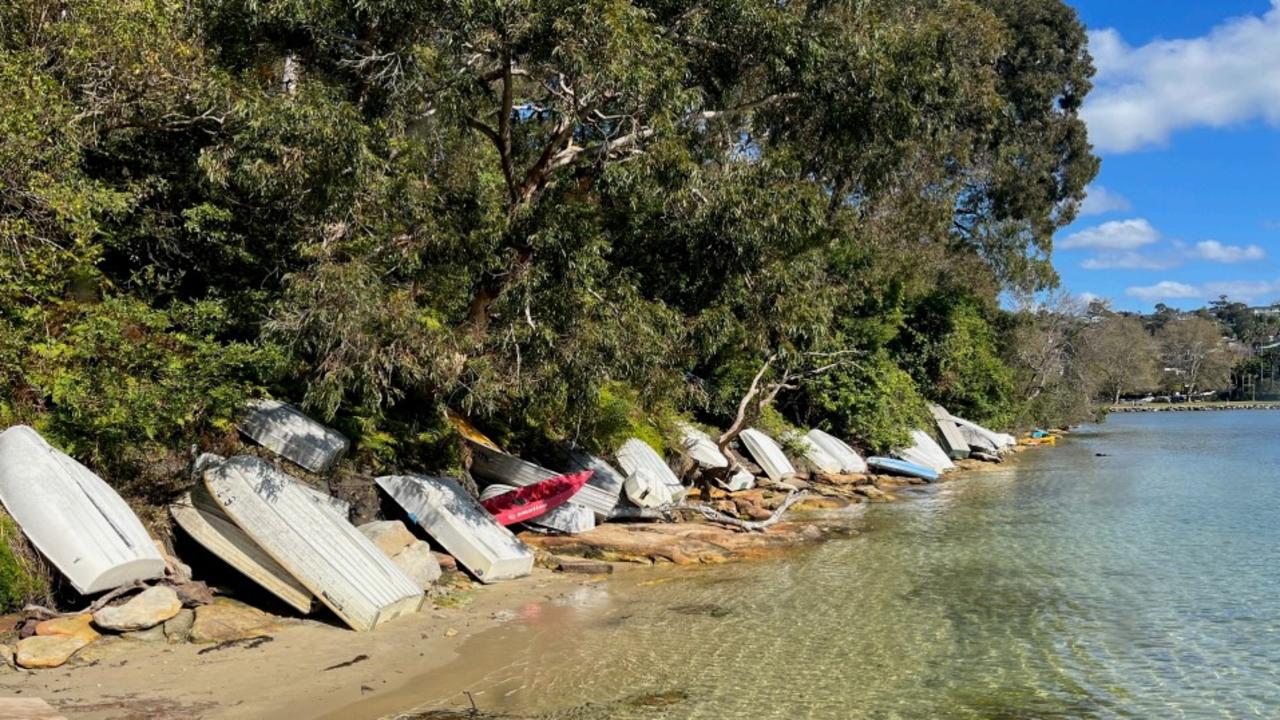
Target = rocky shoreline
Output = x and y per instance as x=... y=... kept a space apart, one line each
x=1194 y=407
x=226 y=643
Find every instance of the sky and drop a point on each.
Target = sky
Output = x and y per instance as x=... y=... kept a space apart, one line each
x=1185 y=114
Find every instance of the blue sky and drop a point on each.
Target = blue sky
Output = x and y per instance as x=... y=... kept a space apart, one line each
x=1185 y=115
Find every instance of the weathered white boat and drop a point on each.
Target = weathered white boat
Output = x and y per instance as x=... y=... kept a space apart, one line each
x=603 y=490
x=647 y=491
x=284 y=430
x=500 y=467
x=851 y=462
x=699 y=447
x=768 y=454
x=72 y=517
x=636 y=455
x=324 y=552
x=953 y=443
x=462 y=527
x=926 y=451
x=204 y=520
x=999 y=440
x=816 y=455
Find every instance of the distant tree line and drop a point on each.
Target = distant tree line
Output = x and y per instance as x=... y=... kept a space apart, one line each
x=568 y=219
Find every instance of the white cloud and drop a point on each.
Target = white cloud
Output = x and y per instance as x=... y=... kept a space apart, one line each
x=1114 y=235
x=1131 y=261
x=1142 y=95
x=1100 y=201
x=1164 y=290
x=1214 y=251
x=1248 y=291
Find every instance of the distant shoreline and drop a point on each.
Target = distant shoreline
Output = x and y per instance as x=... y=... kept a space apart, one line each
x=1198 y=406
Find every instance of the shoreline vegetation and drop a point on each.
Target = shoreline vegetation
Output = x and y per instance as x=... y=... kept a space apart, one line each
x=316 y=668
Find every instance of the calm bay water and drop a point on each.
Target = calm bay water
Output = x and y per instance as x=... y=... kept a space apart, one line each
x=1143 y=584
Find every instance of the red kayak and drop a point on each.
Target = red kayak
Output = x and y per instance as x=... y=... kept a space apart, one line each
x=536 y=500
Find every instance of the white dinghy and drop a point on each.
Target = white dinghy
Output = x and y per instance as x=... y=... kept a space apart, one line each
x=461 y=525
x=325 y=553
x=953 y=441
x=816 y=455
x=1001 y=441
x=636 y=457
x=203 y=519
x=926 y=451
x=851 y=463
x=284 y=430
x=768 y=454
x=700 y=448
x=72 y=517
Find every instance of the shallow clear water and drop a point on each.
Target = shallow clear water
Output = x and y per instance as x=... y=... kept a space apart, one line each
x=1142 y=584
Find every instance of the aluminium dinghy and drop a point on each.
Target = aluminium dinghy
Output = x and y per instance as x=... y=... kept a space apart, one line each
x=324 y=552
x=72 y=517
x=851 y=463
x=460 y=525
x=768 y=454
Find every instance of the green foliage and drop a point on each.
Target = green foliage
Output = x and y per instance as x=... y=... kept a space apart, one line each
x=570 y=220
x=872 y=401
x=22 y=577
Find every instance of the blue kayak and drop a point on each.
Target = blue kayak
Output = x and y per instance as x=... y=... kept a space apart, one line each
x=902 y=467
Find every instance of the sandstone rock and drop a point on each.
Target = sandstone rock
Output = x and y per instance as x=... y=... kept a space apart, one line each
x=6 y=657
x=585 y=567
x=391 y=536
x=447 y=562
x=227 y=620
x=419 y=564
x=151 y=634
x=78 y=626
x=870 y=491
x=194 y=594
x=178 y=628
x=822 y=503
x=146 y=609
x=47 y=651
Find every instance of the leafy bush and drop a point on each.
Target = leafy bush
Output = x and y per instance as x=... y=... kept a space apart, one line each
x=23 y=576
x=873 y=401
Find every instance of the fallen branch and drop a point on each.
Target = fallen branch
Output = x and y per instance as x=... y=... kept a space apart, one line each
x=715 y=516
x=46 y=614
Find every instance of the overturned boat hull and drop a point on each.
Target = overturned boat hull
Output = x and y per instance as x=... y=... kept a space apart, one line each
x=461 y=526
x=894 y=466
x=286 y=431
x=768 y=454
x=72 y=517
x=635 y=456
x=205 y=522
x=953 y=441
x=850 y=461
x=325 y=553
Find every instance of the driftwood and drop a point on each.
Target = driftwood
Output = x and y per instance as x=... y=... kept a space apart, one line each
x=715 y=516
x=45 y=613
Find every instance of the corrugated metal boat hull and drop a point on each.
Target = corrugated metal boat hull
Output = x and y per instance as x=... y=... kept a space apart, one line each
x=953 y=442
x=325 y=553
x=72 y=517
x=284 y=430
x=203 y=519
x=850 y=461
x=603 y=490
x=461 y=526
x=636 y=455
x=768 y=454
x=699 y=447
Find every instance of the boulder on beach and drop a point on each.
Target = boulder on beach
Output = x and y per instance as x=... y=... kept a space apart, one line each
x=76 y=626
x=418 y=562
x=177 y=629
x=47 y=651
x=226 y=620
x=391 y=536
x=144 y=610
